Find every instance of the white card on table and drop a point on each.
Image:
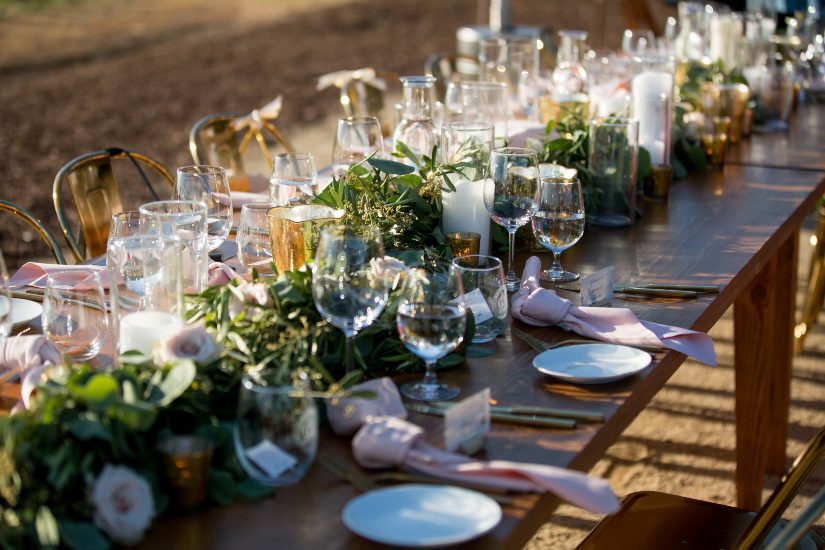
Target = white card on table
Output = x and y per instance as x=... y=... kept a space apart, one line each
x=478 y=305
x=597 y=288
x=467 y=422
x=270 y=458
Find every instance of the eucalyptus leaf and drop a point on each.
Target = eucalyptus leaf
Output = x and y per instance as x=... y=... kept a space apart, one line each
x=82 y=535
x=221 y=486
x=391 y=167
x=84 y=429
x=98 y=390
x=177 y=381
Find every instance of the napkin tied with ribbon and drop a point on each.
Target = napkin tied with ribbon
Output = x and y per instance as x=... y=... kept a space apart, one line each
x=220 y=274
x=34 y=274
x=347 y=414
x=30 y=356
x=389 y=442
x=258 y=117
x=542 y=307
x=340 y=79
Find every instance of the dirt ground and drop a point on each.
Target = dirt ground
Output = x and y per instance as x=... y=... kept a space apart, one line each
x=103 y=73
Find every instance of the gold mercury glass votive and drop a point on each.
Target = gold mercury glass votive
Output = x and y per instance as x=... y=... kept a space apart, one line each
x=715 y=140
x=187 y=459
x=734 y=102
x=657 y=185
x=294 y=232
x=464 y=243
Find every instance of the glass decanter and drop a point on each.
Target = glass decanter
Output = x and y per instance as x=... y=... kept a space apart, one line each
x=416 y=129
x=569 y=77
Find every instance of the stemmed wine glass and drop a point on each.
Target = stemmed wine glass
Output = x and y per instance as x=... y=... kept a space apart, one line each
x=559 y=222
x=511 y=195
x=210 y=186
x=346 y=289
x=5 y=302
x=431 y=322
x=355 y=140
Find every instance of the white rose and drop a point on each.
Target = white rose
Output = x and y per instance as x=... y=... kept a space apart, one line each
x=123 y=503
x=249 y=293
x=190 y=342
x=388 y=268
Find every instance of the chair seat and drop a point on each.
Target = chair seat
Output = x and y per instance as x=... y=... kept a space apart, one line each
x=651 y=519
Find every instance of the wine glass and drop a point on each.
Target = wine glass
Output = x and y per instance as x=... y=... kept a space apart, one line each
x=5 y=302
x=208 y=185
x=124 y=224
x=559 y=223
x=294 y=179
x=511 y=195
x=74 y=313
x=431 y=322
x=347 y=291
x=254 y=246
x=355 y=140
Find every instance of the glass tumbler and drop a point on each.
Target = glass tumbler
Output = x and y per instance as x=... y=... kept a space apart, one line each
x=610 y=200
x=210 y=186
x=485 y=294
x=74 y=313
x=294 y=179
x=254 y=245
x=355 y=140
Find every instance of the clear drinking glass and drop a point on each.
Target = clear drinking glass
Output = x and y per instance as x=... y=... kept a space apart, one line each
x=185 y=223
x=559 y=223
x=638 y=41
x=5 y=302
x=485 y=294
x=124 y=223
x=486 y=102
x=254 y=246
x=208 y=185
x=431 y=322
x=355 y=140
x=614 y=149
x=346 y=289
x=74 y=313
x=294 y=179
x=276 y=430
x=511 y=195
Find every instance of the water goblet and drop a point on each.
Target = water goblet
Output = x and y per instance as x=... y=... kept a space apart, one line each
x=559 y=222
x=485 y=294
x=293 y=180
x=511 y=195
x=347 y=290
x=431 y=321
x=355 y=140
x=210 y=186
x=74 y=313
x=254 y=245
x=5 y=302
x=276 y=429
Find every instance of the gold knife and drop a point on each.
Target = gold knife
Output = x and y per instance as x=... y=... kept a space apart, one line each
x=538 y=421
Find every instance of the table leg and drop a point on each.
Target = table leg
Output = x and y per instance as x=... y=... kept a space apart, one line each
x=763 y=335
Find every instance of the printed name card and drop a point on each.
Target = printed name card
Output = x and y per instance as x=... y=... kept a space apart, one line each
x=478 y=305
x=597 y=288
x=270 y=458
x=467 y=422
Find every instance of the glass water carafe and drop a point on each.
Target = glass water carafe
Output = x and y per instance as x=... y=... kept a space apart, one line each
x=569 y=95
x=416 y=129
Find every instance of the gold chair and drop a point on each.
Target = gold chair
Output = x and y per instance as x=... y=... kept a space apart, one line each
x=445 y=67
x=815 y=294
x=37 y=225
x=94 y=192
x=659 y=520
x=216 y=139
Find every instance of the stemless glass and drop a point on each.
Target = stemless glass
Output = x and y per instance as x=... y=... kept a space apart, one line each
x=559 y=223
x=254 y=246
x=486 y=102
x=294 y=179
x=276 y=430
x=511 y=195
x=208 y=185
x=124 y=223
x=346 y=289
x=355 y=140
x=485 y=294
x=431 y=322
x=5 y=302
x=74 y=313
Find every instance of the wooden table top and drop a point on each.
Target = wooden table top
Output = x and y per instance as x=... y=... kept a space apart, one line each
x=717 y=228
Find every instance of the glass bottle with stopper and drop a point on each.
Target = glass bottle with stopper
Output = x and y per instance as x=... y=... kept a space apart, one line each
x=416 y=129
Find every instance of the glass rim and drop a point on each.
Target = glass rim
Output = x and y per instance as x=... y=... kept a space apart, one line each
x=358 y=120
x=74 y=275
x=515 y=151
x=153 y=208
x=262 y=205
x=296 y=155
x=559 y=179
x=491 y=259
x=478 y=125
x=202 y=170
x=418 y=80
x=251 y=384
x=614 y=122
x=483 y=85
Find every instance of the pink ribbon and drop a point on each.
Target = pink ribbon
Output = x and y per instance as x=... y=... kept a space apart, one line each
x=541 y=307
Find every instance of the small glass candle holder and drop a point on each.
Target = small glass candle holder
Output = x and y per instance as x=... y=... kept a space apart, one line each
x=715 y=140
x=464 y=243
x=186 y=461
x=657 y=184
x=734 y=102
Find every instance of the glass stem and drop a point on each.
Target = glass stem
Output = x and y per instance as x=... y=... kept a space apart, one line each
x=348 y=356
x=511 y=272
x=430 y=379
x=556 y=267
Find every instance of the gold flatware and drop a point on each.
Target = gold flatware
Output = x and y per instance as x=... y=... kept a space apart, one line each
x=540 y=345
x=523 y=420
x=584 y=416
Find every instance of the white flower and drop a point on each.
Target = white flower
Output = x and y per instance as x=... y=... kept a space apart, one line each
x=388 y=268
x=190 y=342
x=123 y=503
x=248 y=293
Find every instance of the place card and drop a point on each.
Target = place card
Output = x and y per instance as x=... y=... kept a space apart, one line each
x=467 y=422
x=597 y=288
x=478 y=305
x=270 y=458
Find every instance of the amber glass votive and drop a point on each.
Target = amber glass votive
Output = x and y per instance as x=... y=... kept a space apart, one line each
x=657 y=185
x=464 y=243
x=187 y=459
x=715 y=140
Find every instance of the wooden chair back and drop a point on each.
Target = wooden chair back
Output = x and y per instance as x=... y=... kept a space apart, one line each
x=35 y=223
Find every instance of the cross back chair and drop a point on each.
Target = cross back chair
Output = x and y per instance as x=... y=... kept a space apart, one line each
x=21 y=213
x=93 y=189
x=215 y=140
x=447 y=67
x=360 y=99
x=658 y=520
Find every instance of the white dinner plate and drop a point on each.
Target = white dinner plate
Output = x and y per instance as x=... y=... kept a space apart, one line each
x=592 y=363
x=22 y=311
x=421 y=516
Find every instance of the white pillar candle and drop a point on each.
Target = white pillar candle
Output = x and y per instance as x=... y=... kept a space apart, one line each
x=464 y=210
x=652 y=126
x=141 y=330
x=652 y=83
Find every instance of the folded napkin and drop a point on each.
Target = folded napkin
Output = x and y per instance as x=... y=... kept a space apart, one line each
x=541 y=307
x=242 y=198
x=388 y=442
x=339 y=79
x=220 y=274
x=30 y=356
x=255 y=120
x=34 y=274
x=347 y=414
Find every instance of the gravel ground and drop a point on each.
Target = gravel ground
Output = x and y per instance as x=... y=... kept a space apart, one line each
x=105 y=73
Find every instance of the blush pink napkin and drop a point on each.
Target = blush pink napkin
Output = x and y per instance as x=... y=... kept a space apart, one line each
x=541 y=307
x=347 y=414
x=220 y=274
x=241 y=198
x=34 y=274
x=30 y=355
x=389 y=442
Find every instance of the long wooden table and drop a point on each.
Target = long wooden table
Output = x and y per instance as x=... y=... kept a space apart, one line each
x=737 y=228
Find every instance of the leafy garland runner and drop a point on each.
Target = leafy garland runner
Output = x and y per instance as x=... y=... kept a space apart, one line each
x=81 y=467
